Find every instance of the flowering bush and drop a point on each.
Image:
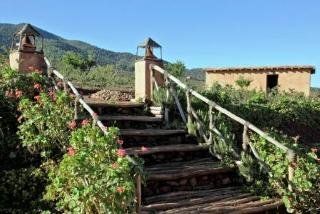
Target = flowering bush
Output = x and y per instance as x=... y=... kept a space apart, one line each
x=305 y=194
x=94 y=175
x=45 y=127
x=17 y=84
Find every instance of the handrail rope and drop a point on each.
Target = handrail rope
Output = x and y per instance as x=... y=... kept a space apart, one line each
x=223 y=110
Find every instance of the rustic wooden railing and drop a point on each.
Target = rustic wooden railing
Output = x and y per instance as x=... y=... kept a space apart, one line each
x=170 y=83
x=52 y=74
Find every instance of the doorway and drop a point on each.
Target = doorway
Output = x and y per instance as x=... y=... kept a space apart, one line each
x=272 y=81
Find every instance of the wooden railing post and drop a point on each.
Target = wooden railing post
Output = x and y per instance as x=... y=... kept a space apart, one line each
x=166 y=109
x=65 y=86
x=76 y=108
x=245 y=138
x=291 y=156
x=211 y=125
x=178 y=104
x=189 y=111
x=138 y=193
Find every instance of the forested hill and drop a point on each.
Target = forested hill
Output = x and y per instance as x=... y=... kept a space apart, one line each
x=56 y=47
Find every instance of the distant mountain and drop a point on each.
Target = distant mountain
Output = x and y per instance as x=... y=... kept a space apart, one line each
x=56 y=46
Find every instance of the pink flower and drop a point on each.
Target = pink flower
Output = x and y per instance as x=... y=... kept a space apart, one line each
x=10 y=94
x=120 y=142
x=37 y=98
x=114 y=165
x=31 y=68
x=85 y=122
x=120 y=189
x=52 y=94
x=72 y=124
x=37 y=86
x=71 y=151
x=36 y=70
x=18 y=93
x=144 y=149
x=121 y=152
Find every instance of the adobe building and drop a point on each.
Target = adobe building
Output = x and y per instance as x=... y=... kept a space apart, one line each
x=26 y=55
x=284 y=78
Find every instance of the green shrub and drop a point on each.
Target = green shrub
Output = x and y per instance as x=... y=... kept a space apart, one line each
x=21 y=190
x=94 y=176
x=45 y=128
x=305 y=194
x=292 y=113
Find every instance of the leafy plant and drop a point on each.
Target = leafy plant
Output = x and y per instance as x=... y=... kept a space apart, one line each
x=177 y=69
x=45 y=128
x=94 y=176
x=243 y=82
x=305 y=195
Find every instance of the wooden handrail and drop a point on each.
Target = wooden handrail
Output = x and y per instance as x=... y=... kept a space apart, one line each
x=290 y=154
x=97 y=121
x=222 y=110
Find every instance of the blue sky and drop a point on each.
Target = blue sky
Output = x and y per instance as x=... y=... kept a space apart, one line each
x=202 y=33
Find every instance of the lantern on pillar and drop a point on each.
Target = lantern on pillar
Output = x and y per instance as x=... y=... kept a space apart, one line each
x=144 y=76
x=25 y=54
x=150 y=45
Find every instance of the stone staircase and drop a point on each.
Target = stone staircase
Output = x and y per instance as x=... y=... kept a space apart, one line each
x=182 y=176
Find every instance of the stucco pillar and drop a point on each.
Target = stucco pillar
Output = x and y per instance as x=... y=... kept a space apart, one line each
x=143 y=78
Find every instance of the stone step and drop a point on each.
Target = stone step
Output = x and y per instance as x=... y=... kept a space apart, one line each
x=98 y=103
x=141 y=151
x=194 y=174
x=223 y=200
x=170 y=153
x=179 y=170
x=135 y=118
x=151 y=132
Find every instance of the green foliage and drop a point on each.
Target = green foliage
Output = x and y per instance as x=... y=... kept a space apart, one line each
x=77 y=61
x=243 y=82
x=45 y=127
x=18 y=85
x=14 y=86
x=305 y=194
x=100 y=77
x=294 y=114
x=94 y=177
x=224 y=144
x=21 y=190
x=160 y=97
x=177 y=69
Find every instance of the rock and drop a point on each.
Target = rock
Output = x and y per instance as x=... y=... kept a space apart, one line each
x=193 y=182
x=226 y=181
x=165 y=189
x=204 y=178
x=183 y=182
x=173 y=183
x=108 y=95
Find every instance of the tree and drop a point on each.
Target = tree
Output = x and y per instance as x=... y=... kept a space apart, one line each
x=78 y=62
x=177 y=69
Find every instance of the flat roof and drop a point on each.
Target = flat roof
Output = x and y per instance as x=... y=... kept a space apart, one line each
x=263 y=68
